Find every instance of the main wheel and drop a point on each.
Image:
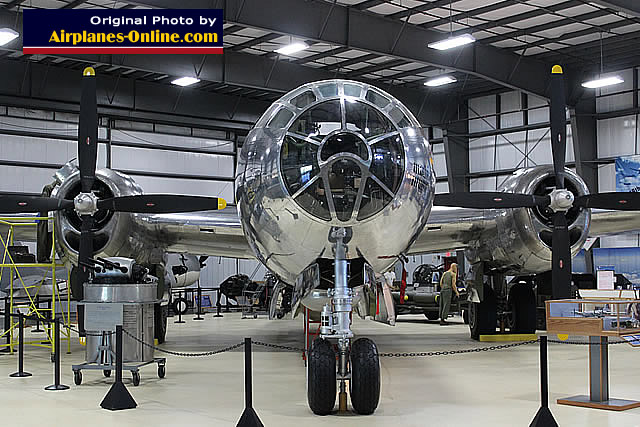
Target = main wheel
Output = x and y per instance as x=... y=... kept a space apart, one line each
x=364 y=386
x=522 y=303
x=432 y=315
x=321 y=377
x=77 y=377
x=483 y=315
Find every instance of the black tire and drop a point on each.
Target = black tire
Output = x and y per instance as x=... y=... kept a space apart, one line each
x=161 y=371
x=77 y=377
x=483 y=315
x=135 y=376
x=180 y=306
x=106 y=373
x=160 y=317
x=321 y=377
x=522 y=303
x=432 y=315
x=364 y=386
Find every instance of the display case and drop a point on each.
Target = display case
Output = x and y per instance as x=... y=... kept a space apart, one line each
x=604 y=317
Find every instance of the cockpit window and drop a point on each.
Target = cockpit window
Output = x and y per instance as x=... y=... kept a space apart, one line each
x=345 y=178
x=344 y=142
x=281 y=119
x=298 y=161
x=343 y=158
x=388 y=161
x=318 y=121
x=366 y=120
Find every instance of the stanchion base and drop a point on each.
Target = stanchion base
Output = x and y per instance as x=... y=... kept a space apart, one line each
x=118 y=398
x=610 y=405
x=249 y=418
x=179 y=321
x=57 y=387
x=36 y=330
x=198 y=318
x=218 y=315
x=20 y=375
x=544 y=418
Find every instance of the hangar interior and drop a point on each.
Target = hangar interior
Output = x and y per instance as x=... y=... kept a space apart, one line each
x=491 y=121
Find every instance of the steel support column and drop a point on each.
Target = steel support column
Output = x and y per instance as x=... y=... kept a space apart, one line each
x=584 y=134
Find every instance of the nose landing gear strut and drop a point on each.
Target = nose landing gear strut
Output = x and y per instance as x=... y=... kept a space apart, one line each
x=357 y=363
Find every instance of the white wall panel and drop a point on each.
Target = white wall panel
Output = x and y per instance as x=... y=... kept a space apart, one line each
x=442 y=187
x=511 y=101
x=537 y=115
x=439 y=160
x=176 y=162
x=23 y=179
x=617 y=136
x=42 y=150
x=607 y=177
x=481 y=154
x=148 y=138
x=482 y=106
x=193 y=187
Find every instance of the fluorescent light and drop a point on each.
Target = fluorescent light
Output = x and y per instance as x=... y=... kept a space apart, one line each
x=7 y=35
x=439 y=81
x=452 y=42
x=292 y=48
x=602 y=82
x=185 y=81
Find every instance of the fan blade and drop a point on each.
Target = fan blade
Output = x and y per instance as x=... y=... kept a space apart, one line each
x=16 y=203
x=561 y=257
x=161 y=203
x=88 y=130
x=490 y=200
x=558 y=124
x=85 y=251
x=617 y=201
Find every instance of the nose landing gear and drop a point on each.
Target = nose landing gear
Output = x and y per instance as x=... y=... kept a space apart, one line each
x=357 y=363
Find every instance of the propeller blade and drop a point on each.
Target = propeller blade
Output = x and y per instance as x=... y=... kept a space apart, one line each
x=561 y=257
x=617 y=201
x=558 y=124
x=88 y=130
x=161 y=203
x=490 y=200
x=16 y=203
x=85 y=252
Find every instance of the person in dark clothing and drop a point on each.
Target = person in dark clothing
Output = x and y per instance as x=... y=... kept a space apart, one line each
x=447 y=288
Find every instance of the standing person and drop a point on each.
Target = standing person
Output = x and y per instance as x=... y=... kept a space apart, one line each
x=447 y=287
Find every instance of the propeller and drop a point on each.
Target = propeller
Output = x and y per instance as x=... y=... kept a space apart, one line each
x=559 y=201
x=86 y=204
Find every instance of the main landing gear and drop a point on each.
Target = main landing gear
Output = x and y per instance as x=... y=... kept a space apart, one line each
x=356 y=362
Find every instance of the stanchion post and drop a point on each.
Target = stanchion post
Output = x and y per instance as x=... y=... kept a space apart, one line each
x=198 y=317
x=7 y=325
x=218 y=303
x=182 y=297
x=56 y=359
x=118 y=397
x=249 y=417
x=21 y=373
x=544 y=417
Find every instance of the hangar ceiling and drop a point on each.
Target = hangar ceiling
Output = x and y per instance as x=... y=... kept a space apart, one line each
x=517 y=41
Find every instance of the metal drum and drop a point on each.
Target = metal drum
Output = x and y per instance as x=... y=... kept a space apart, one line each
x=138 y=318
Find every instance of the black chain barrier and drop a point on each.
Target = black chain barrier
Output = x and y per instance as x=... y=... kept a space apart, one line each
x=452 y=352
x=280 y=347
x=182 y=354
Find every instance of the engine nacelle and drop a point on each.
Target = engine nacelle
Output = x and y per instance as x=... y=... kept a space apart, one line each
x=520 y=243
x=115 y=233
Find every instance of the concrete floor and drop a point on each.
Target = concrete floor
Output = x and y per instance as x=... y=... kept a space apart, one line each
x=488 y=388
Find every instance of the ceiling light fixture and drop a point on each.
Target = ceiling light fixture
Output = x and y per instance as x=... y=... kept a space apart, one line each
x=602 y=82
x=7 y=35
x=439 y=81
x=452 y=42
x=292 y=48
x=185 y=81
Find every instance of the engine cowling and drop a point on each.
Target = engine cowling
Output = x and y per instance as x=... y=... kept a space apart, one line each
x=520 y=243
x=115 y=233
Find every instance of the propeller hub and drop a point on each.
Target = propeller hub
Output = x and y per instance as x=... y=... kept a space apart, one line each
x=86 y=204
x=561 y=200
